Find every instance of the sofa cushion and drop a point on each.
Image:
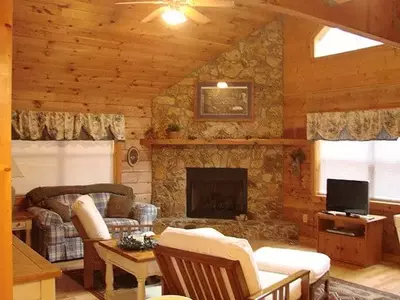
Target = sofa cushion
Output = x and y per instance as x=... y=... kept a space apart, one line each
x=119 y=206
x=269 y=278
x=62 y=205
x=38 y=195
x=101 y=200
x=70 y=230
x=120 y=222
x=288 y=261
x=90 y=218
x=215 y=244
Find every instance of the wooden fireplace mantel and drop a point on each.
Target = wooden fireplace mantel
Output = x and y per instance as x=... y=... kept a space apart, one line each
x=177 y=142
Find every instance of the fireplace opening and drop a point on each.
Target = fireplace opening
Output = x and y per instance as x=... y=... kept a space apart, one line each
x=216 y=193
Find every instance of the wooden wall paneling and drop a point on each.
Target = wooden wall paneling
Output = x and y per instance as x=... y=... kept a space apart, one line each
x=364 y=79
x=6 y=274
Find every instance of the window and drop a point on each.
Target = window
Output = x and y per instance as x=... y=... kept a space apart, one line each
x=333 y=41
x=375 y=161
x=53 y=163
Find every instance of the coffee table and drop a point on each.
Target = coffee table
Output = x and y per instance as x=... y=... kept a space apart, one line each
x=141 y=264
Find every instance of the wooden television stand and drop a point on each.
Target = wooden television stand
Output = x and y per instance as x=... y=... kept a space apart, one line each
x=364 y=249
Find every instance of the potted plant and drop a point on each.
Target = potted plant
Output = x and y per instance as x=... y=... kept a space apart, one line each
x=174 y=131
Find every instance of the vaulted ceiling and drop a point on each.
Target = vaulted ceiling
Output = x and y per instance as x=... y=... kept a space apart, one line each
x=83 y=49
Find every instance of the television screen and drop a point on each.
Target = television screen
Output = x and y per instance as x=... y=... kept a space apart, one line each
x=347 y=196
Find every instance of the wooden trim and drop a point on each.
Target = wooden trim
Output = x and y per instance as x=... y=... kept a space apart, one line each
x=171 y=142
x=118 y=147
x=316 y=37
x=6 y=25
x=315 y=167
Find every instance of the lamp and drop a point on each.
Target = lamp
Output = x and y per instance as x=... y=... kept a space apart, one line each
x=222 y=85
x=15 y=173
x=173 y=16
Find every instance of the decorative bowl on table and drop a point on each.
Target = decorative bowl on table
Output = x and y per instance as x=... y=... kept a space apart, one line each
x=134 y=243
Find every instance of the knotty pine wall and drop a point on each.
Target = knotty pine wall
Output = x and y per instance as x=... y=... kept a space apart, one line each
x=364 y=79
x=62 y=67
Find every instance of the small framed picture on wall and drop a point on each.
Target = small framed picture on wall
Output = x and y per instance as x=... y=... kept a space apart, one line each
x=224 y=101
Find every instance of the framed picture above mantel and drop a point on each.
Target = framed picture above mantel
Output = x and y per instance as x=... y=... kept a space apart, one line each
x=224 y=101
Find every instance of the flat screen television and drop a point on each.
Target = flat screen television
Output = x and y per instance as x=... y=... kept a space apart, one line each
x=349 y=196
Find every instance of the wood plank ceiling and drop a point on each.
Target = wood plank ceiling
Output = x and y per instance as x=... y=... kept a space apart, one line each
x=92 y=52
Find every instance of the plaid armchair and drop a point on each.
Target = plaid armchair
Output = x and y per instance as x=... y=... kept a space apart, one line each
x=57 y=240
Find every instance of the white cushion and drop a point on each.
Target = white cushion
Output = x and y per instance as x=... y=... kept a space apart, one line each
x=208 y=232
x=288 y=261
x=216 y=244
x=269 y=278
x=90 y=218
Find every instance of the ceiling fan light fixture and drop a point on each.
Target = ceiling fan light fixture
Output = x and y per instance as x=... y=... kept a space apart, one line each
x=173 y=16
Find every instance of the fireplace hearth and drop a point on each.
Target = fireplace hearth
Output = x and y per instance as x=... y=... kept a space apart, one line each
x=216 y=193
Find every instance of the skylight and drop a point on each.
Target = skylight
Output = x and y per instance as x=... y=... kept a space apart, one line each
x=333 y=41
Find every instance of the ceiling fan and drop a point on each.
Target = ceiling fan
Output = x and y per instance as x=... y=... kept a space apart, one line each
x=174 y=12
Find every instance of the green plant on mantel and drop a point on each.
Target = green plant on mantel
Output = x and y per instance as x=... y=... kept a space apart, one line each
x=298 y=157
x=173 y=128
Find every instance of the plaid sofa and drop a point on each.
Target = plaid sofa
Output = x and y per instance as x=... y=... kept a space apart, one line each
x=57 y=240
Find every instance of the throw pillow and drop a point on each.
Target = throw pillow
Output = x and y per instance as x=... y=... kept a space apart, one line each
x=119 y=206
x=60 y=208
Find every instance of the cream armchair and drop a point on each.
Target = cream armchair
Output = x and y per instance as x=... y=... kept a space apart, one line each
x=205 y=264
x=92 y=228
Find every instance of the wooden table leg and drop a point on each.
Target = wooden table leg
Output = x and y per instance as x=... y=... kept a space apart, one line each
x=28 y=237
x=109 y=280
x=141 y=289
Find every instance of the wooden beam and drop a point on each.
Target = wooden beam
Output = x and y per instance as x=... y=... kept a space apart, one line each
x=118 y=146
x=338 y=1
x=375 y=19
x=6 y=274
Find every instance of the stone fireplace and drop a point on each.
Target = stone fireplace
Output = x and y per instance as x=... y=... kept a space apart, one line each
x=216 y=193
x=259 y=59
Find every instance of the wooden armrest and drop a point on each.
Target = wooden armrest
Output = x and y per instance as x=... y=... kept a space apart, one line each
x=130 y=226
x=93 y=240
x=305 y=283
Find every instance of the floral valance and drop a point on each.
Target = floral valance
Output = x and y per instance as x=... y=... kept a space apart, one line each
x=362 y=125
x=39 y=125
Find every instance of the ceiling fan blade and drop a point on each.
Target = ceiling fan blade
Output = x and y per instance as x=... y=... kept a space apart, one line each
x=154 y=14
x=195 y=15
x=139 y=2
x=211 y=3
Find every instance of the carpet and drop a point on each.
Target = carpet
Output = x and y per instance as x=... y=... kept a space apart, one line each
x=339 y=289
x=344 y=290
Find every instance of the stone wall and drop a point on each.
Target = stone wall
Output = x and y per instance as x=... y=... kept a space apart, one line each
x=258 y=58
